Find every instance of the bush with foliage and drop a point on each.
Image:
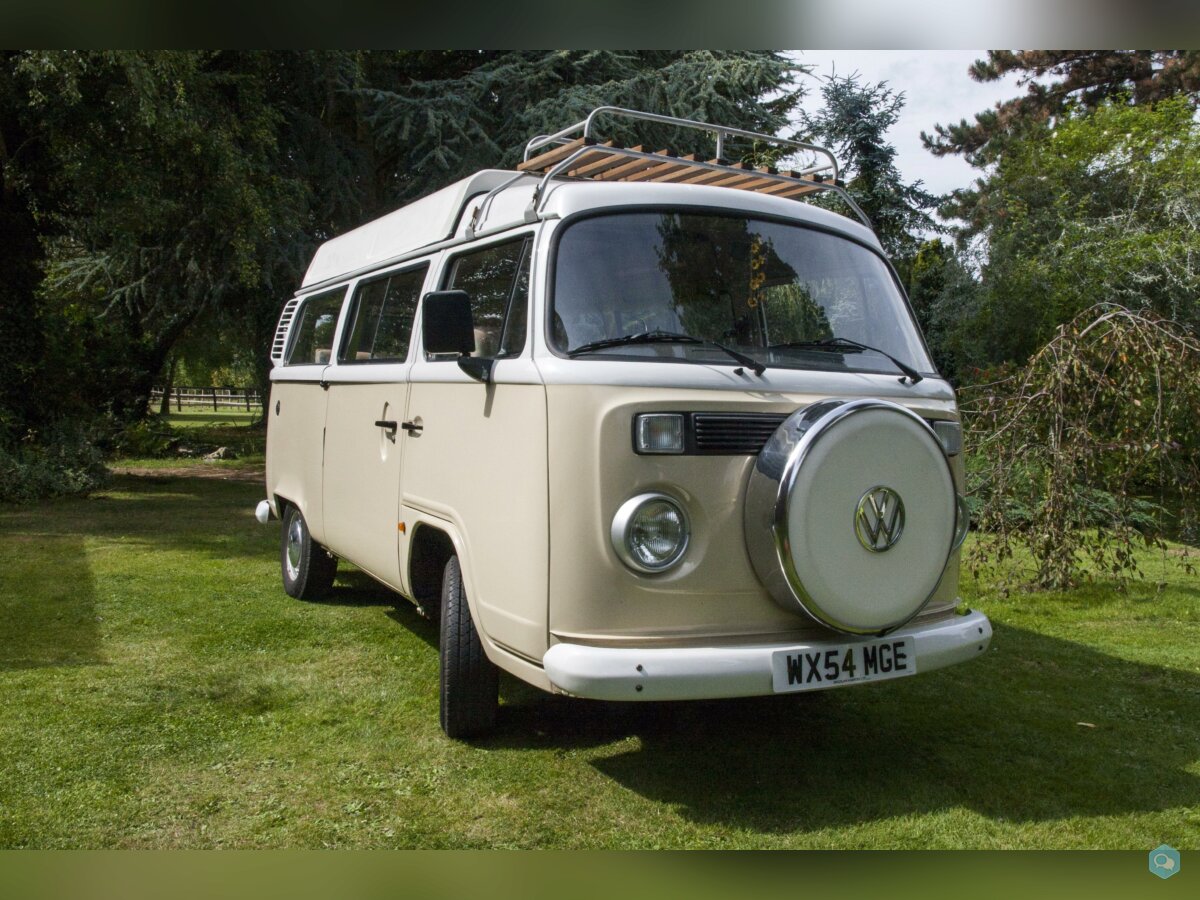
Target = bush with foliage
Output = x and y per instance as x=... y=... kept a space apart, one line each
x=63 y=459
x=1080 y=454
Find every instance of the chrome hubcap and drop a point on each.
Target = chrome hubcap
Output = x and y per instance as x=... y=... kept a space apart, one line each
x=295 y=540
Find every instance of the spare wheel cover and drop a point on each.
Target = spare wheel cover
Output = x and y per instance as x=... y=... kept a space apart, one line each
x=850 y=514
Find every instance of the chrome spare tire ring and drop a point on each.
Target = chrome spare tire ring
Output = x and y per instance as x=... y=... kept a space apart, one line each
x=857 y=539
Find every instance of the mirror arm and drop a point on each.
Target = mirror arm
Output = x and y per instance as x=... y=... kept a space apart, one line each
x=478 y=368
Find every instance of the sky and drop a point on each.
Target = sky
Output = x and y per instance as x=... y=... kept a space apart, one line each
x=937 y=89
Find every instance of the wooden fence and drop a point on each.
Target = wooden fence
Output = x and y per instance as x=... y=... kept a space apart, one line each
x=216 y=399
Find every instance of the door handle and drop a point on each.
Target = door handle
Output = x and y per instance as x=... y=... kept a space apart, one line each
x=412 y=427
x=389 y=424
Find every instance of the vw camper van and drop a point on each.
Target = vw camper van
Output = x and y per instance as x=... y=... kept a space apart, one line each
x=630 y=425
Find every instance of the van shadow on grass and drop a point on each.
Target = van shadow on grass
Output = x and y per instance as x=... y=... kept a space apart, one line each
x=355 y=588
x=1001 y=736
x=47 y=614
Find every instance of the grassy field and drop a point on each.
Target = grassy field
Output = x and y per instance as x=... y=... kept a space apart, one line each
x=160 y=690
x=201 y=418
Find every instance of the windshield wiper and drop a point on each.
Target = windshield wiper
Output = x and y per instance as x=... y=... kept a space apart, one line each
x=841 y=343
x=667 y=337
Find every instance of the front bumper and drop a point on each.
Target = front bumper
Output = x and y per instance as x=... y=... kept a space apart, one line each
x=700 y=673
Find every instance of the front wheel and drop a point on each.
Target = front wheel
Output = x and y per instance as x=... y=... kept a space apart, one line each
x=307 y=568
x=470 y=682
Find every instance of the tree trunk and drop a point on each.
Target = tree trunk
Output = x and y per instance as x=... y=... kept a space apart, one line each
x=164 y=408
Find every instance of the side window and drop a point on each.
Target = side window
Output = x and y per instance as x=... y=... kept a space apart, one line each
x=497 y=278
x=381 y=318
x=313 y=328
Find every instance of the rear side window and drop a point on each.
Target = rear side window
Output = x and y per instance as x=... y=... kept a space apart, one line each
x=313 y=328
x=497 y=279
x=381 y=318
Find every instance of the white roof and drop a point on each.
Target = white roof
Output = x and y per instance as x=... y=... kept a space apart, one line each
x=425 y=221
x=444 y=214
x=566 y=198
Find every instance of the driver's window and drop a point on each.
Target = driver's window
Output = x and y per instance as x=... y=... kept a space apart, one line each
x=497 y=280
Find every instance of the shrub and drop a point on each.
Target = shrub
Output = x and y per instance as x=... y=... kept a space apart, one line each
x=1079 y=454
x=59 y=460
x=146 y=439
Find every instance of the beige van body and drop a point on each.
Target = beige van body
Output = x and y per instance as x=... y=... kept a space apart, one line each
x=400 y=460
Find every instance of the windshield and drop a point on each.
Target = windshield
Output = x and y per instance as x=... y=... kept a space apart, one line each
x=761 y=287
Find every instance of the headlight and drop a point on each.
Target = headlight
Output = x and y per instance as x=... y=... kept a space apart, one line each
x=650 y=532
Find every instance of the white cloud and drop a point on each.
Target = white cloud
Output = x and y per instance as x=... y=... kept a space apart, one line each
x=937 y=90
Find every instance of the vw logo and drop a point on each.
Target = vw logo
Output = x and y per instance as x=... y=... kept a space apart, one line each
x=879 y=520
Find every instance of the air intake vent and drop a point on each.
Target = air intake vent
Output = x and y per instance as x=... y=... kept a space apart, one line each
x=733 y=433
x=279 y=346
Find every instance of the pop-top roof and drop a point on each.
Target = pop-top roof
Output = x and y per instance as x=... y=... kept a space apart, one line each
x=422 y=222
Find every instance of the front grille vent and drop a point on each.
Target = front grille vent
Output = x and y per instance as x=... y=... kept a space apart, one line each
x=733 y=434
x=729 y=434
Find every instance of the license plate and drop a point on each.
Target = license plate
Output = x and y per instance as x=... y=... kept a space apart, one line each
x=824 y=667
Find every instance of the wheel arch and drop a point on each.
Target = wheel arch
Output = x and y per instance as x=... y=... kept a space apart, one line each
x=439 y=533
x=430 y=548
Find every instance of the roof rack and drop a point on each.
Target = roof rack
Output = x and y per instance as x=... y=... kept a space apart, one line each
x=575 y=152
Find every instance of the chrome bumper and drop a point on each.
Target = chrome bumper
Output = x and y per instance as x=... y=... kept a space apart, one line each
x=698 y=673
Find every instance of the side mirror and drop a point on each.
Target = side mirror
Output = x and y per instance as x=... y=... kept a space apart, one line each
x=446 y=325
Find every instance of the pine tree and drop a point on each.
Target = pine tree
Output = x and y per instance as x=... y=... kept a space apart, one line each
x=854 y=121
x=459 y=113
x=1085 y=79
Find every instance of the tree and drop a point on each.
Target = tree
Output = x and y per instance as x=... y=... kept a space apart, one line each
x=1085 y=79
x=158 y=199
x=1080 y=453
x=854 y=121
x=457 y=113
x=944 y=294
x=169 y=188
x=1102 y=206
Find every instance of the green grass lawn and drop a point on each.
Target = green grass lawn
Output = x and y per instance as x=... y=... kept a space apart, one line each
x=160 y=690
x=201 y=418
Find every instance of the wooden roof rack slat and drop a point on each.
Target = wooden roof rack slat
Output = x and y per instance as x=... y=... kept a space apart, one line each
x=677 y=175
x=658 y=172
x=588 y=158
x=797 y=190
x=603 y=165
x=633 y=167
x=742 y=181
x=781 y=186
x=757 y=185
x=706 y=175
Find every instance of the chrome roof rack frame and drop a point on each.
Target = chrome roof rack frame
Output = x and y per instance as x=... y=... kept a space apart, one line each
x=576 y=153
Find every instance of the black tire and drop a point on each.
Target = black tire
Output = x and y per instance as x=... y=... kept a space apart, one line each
x=307 y=569
x=470 y=682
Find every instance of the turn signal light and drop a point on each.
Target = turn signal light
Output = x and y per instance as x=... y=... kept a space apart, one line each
x=950 y=434
x=658 y=433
